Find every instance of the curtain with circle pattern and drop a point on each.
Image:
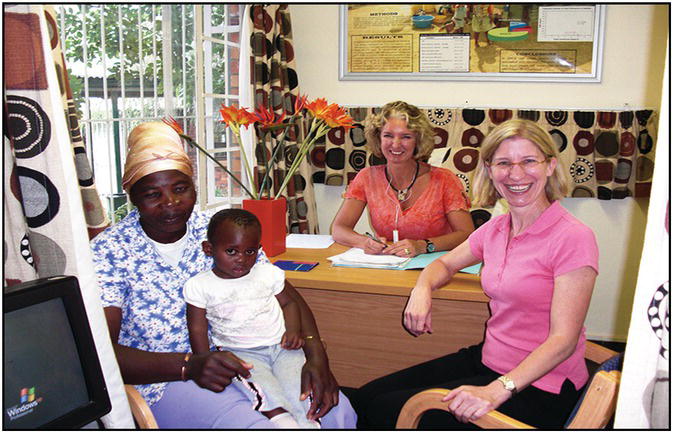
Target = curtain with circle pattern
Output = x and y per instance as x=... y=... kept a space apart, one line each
x=49 y=198
x=610 y=154
x=275 y=86
x=39 y=115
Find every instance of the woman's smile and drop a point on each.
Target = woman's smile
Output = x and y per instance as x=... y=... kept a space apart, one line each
x=518 y=188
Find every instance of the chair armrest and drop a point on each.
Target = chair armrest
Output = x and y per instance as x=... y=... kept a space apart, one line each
x=418 y=404
x=139 y=408
x=431 y=399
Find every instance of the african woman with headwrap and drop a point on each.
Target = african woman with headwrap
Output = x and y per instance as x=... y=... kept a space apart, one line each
x=142 y=263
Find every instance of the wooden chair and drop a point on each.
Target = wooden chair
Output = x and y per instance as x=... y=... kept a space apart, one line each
x=593 y=411
x=142 y=414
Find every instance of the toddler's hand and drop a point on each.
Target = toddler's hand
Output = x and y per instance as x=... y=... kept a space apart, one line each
x=292 y=341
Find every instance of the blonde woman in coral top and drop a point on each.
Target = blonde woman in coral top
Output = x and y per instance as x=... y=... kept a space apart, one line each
x=413 y=207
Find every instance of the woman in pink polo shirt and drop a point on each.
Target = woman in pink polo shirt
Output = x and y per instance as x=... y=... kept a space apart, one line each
x=540 y=265
x=417 y=207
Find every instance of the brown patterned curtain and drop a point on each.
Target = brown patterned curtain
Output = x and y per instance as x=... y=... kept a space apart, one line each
x=275 y=85
x=610 y=154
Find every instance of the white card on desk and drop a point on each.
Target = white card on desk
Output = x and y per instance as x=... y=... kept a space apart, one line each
x=308 y=241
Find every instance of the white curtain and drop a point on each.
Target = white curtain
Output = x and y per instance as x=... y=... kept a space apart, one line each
x=246 y=99
x=643 y=400
x=41 y=179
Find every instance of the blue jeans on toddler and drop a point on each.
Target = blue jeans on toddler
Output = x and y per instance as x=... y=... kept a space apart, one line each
x=275 y=380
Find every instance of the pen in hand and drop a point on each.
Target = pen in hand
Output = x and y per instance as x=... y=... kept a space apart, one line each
x=372 y=237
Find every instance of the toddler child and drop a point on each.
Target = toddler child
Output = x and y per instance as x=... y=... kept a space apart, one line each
x=249 y=313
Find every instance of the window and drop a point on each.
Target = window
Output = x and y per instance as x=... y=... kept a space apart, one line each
x=131 y=63
x=219 y=55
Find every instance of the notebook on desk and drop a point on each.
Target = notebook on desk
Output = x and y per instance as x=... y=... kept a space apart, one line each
x=357 y=258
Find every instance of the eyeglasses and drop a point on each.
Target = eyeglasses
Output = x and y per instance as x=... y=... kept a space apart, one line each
x=528 y=165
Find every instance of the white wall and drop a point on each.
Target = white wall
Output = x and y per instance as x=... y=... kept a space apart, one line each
x=633 y=64
x=619 y=226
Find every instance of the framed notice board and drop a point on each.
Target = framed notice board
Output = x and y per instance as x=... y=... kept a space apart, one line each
x=452 y=41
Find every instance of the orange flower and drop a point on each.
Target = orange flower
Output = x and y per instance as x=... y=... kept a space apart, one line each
x=341 y=119
x=236 y=117
x=300 y=103
x=325 y=116
x=318 y=107
x=332 y=114
x=266 y=117
x=174 y=124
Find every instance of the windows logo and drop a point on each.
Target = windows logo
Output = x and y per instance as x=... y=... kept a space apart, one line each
x=27 y=395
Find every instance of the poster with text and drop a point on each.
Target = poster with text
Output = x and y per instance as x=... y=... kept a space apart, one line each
x=521 y=41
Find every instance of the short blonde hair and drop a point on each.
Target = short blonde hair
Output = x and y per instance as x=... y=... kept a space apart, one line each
x=484 y=192
x=417 y=122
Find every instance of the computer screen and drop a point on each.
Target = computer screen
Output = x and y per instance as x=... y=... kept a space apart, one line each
x=52 y=376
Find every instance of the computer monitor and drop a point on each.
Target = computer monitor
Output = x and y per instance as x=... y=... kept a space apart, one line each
x=52 y=377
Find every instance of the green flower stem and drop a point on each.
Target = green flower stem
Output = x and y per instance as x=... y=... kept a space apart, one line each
x=251 y=180
x=236 y=129
x=265 y=163
x=319 y=131
x=267 y=175
x=205 y=152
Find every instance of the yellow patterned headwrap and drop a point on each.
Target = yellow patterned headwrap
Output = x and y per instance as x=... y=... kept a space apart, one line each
x=153 y=147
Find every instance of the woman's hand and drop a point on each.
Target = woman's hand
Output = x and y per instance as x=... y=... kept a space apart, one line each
x=406 y=248
x=469 y=403
x=318 y=381
x=373 y=247
x=417 y=314
x=292 y=340
x=215 y=370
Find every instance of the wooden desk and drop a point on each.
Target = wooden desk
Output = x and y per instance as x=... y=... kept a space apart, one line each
x=359 y=315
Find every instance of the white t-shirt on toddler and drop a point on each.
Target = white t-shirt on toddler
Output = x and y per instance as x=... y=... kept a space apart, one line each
x=242 y=312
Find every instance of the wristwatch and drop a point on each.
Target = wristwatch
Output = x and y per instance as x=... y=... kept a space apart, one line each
x=430 y=247
x=508 y=384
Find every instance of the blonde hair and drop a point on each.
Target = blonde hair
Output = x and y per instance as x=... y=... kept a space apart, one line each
x=484 y=192
x=417 y=122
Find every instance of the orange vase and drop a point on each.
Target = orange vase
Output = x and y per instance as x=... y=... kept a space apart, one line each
x=272 y=216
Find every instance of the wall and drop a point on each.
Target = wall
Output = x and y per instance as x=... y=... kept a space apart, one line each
x=633 y=64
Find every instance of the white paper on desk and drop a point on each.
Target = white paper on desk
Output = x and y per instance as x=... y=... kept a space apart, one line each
x=309 y=241
x=357 y=256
